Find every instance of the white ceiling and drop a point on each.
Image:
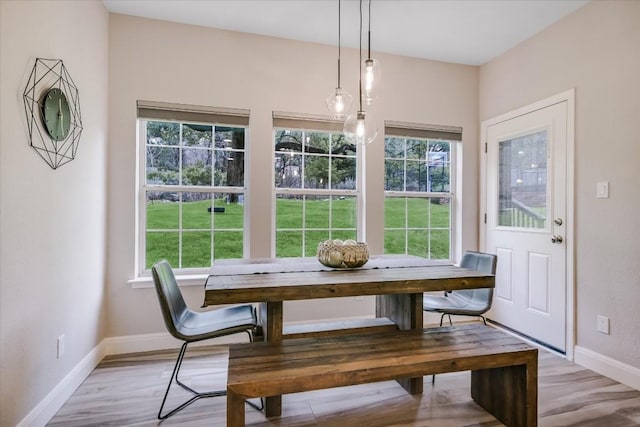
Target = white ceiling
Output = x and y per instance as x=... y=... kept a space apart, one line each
x=460 y=31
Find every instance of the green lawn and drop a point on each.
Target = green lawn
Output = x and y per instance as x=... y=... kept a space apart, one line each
x=163 y=239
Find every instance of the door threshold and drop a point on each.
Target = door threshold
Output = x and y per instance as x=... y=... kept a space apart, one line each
x=527 y=338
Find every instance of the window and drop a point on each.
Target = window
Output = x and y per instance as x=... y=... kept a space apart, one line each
x=315 y=181
x=418 y=196
x=192 y=184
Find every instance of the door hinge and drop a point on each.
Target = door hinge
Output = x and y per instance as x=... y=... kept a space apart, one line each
x=485 y=218
x=485 y=147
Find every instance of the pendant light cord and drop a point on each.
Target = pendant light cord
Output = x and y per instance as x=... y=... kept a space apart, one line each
x=360 y=63
x=339 y=35
x=369 y=35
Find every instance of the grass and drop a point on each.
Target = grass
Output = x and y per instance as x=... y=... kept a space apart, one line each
x=413 y=226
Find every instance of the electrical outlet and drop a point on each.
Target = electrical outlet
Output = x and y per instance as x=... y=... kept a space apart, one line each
x=603 y=324
x=61 y=343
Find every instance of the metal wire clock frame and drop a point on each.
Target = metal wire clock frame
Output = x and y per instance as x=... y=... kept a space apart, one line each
x=47 y=74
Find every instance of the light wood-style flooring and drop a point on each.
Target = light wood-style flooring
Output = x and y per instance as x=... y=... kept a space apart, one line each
x=126 y=390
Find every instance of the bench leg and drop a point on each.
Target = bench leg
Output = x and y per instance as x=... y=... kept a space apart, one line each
x=510 y=393
x=235 y=410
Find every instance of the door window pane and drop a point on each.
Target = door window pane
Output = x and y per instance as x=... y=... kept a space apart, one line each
x=522 y=181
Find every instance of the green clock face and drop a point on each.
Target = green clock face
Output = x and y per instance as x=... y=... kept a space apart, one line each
x=56 y=115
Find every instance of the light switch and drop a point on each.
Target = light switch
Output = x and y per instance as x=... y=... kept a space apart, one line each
x=602 y=190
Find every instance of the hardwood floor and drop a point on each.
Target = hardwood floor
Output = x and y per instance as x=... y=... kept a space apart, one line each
x=126 y=390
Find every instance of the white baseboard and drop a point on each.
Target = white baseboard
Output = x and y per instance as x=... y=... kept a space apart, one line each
x=604 y=365
x=159 y=341
x=47 y=408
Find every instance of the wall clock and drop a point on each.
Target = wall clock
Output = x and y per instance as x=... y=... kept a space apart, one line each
x=52 y=108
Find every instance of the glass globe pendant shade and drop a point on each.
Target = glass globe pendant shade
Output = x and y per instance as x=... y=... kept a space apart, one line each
x=360 y=128
x=371 y=75
x=338 y=103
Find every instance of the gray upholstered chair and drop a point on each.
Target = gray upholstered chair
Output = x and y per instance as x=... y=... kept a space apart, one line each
x=468 y=302
x=191 y=326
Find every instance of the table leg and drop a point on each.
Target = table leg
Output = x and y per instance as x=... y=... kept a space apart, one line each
x=235 y=410
x=406 y=311
x=271 y=321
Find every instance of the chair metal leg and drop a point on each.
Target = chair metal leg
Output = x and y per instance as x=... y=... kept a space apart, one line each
x=196 y=394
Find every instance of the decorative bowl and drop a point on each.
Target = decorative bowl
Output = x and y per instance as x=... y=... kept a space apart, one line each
x=343 y=254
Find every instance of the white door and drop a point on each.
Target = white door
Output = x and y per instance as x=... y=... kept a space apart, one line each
x=526 y=207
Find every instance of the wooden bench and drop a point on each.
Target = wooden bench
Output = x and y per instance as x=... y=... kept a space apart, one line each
x=503 y=379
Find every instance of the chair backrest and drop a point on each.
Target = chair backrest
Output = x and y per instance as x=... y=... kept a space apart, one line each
x=485 y=263
x=171 y=301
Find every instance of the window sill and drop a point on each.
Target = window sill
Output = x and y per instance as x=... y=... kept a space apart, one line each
x=183 y=280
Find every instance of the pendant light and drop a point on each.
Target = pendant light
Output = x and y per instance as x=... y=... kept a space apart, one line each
x=360 y=128
x=371 y=71
x=339 y=102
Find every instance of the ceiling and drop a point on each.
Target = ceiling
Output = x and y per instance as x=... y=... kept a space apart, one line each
x=460 y=31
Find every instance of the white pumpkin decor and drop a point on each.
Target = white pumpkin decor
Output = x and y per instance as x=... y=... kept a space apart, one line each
x=343 y=254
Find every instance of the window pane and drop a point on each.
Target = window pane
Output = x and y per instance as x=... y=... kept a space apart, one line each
x=440 y=246
x=395 y=212
x=316 y=171
x=416 y=176
x=344 y=212
x=440 y=212
x=394 y=148
x=343 y=173
x=522 y=182
x=196 y=211
x=439 y=167
x=418 y=243
x=394 y=241
x=288 y=141
x=163 y=210
x=289 y=212
x=196 y=249
x=228 y=211
x=417 y=149
x=163 y=133
x=316 y=142
x=227 y=244
x=196 y=167
x=162 y=245
x=316 y=212
x=288 y=243
x=311 y=241
x=229 y=138
x=418 y=213
x=162 y=165
x=394 y=175
x=288 y=169
x=229 y=168
x=194 y=135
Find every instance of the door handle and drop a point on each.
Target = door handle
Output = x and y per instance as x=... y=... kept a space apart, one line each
x=556 y=239
x=558 y=221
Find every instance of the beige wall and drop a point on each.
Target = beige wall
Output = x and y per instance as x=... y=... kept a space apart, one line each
x=163 y=61
x=52 y=222
x=596 y=50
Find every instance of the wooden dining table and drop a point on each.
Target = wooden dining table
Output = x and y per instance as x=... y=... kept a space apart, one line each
x=397 y=282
